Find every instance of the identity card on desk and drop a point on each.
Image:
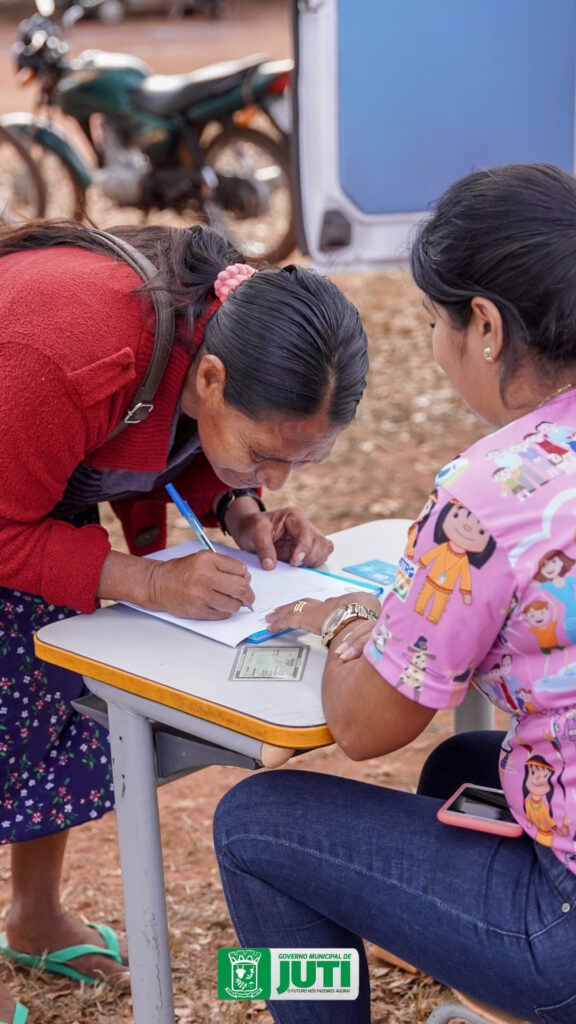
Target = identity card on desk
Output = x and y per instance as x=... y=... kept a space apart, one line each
x=272 y=588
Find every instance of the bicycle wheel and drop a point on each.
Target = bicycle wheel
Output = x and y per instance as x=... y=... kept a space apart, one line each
x=268 y=235
x=22 y=190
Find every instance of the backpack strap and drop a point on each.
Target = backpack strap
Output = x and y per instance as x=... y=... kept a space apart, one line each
x=142 y=403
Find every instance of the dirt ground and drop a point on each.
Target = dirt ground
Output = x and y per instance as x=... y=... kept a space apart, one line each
x=408 y=425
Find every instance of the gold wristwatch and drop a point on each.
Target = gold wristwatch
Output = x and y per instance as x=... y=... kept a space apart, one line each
x=340 y=617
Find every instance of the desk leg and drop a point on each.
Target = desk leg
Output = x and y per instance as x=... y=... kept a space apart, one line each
x=475 y=712
x=141 y=864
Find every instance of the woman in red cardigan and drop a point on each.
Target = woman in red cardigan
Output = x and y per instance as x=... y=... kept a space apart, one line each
x=265 y=370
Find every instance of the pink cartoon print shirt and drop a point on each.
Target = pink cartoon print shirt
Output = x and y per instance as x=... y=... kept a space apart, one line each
x=485 y=595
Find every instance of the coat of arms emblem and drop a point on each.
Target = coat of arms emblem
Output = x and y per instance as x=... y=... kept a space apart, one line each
x=244 y=973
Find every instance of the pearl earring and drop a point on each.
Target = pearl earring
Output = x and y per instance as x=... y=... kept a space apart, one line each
x=488 y=354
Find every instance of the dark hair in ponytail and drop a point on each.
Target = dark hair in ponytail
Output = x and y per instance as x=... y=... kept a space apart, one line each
x=509 y=235
x=290 y=341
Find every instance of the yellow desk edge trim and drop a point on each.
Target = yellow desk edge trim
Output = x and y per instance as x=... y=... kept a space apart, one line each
x=280 y=735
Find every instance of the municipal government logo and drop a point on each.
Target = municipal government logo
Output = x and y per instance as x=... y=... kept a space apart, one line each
x=281 y=973
x=243 y=970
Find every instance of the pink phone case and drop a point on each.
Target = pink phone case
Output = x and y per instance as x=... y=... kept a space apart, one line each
x=477 y=824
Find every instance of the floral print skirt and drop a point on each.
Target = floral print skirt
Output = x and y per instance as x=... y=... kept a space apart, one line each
x=55 y=769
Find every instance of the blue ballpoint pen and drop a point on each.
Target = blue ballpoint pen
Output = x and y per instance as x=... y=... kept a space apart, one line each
x=185 y=510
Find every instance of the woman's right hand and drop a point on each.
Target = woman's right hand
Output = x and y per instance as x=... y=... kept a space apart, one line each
x=206 y=585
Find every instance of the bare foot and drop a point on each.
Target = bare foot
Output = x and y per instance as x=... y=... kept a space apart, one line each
x=64 y=929
x=8 y=1005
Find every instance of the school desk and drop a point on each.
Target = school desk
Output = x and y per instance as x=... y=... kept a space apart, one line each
x=171 y=708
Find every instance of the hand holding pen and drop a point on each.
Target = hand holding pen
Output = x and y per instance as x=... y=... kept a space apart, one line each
x=217 y=585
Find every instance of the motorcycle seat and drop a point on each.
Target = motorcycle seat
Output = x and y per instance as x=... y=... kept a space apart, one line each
x=166 y=95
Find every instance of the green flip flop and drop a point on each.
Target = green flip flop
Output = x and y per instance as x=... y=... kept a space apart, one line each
x=20 y=1015
x=57 y=962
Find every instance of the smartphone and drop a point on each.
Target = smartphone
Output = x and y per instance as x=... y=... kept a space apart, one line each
x=480 y=808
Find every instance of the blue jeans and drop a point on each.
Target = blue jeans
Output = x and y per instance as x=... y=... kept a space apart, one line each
x=308 y=859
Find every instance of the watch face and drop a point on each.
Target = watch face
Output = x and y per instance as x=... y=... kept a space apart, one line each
x=339 y=617
x=336 y=617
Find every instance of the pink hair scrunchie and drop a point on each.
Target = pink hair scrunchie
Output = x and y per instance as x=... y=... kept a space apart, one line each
x=229 y=279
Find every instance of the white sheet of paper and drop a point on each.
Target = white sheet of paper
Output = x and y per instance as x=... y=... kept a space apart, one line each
x=279 y=586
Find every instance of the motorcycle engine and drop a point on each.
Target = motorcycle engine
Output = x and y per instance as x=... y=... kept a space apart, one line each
x=124 y=170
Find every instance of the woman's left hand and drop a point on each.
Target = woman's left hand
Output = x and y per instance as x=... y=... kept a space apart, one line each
x=308 y=614
x=284 y=534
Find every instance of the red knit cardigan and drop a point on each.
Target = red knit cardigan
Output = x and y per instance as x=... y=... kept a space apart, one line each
x=75 y=342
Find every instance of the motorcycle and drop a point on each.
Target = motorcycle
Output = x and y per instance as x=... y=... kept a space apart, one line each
x=212 y=144
x=113 y=11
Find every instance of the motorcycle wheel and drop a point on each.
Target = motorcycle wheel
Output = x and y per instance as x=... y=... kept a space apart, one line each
x=22 y=190
x=65 y=194
x=243 y=152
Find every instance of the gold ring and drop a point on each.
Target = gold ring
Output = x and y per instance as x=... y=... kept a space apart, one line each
x=299 y=606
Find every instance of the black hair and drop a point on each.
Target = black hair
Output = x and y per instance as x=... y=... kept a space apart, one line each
x=509 y=235
x=476 y=558
x=290 y=341
x=537 y=759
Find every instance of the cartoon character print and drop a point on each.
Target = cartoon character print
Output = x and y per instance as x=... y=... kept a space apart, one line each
x=550 y=439
x=462 y=542
x=407 y=568
x=464 y=675
x=538 y=791
x=507 y=626
x=501 y=685
x=533 y=456
x=529 y=461
x=415 y=674
x=511 y=481
x=417 y=526
x=546 y=452
x=451 y=471
x=552 y=460
x=508 y=745
x=515 y=471
x=493 y=684
x=541 y=621
x=510 y=683
x=526 y=701
x=553 y=576
x=381 y=636
x=564 y=724
x=559 y=435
